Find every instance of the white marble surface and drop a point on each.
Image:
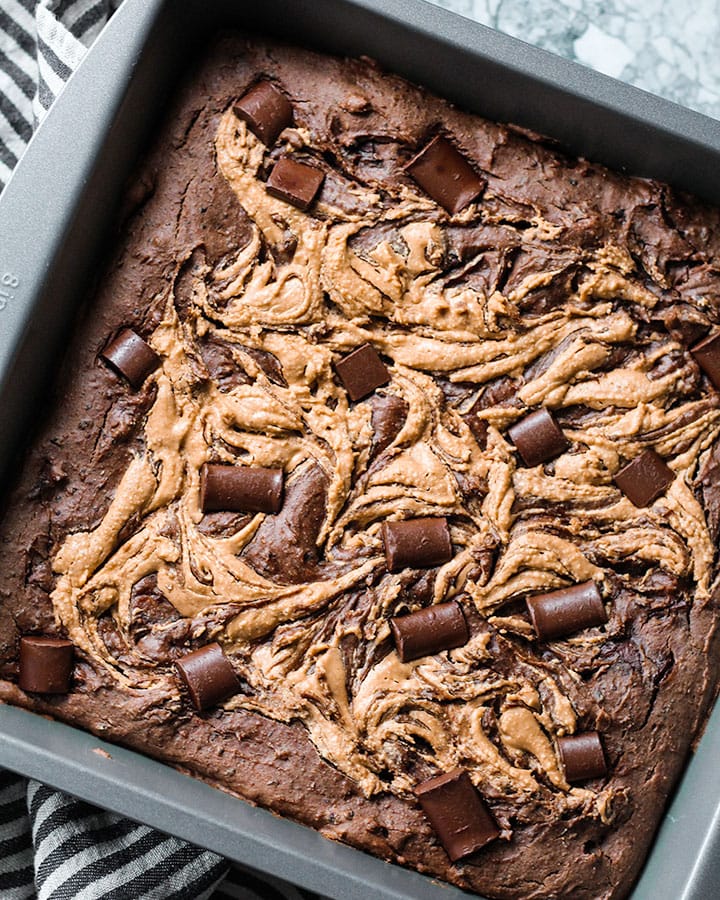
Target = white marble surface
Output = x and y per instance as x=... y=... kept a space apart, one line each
x=670 y=48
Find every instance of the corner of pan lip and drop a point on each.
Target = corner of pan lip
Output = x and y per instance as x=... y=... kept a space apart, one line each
x=702 y=868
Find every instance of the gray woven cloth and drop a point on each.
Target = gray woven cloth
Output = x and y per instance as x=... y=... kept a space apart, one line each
x=53 y=846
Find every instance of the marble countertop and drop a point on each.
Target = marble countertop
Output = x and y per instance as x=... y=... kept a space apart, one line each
x=668 y=48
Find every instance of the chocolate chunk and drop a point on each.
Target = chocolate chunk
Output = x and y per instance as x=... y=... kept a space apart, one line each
x=417 y=543
x=362 y=371
x=240 y=489
x=46 y=664
x=208 y=676
x=445 y=174
x=582 y=756
x=388 y=417
x=538 y=437
x=707 y=356
x=566 y=611
x=429 y=631
x=130 y=356
x=266 y=110
x=457 y=812
x=645 y=478
x=294 y=182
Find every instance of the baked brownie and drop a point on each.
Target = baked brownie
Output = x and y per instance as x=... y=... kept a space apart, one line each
x=380 y=487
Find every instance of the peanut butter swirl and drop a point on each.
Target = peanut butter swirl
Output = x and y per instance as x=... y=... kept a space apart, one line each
x=466 y=361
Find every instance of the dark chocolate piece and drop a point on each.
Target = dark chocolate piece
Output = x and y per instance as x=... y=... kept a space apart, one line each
x=417 y=543
x=444 y=173
x=429 y=631
x=707 y=356
x=294 y=182
x=582 y=756
x=388 y=417
x=240 y=489
x=266 y=110
x=457 y=812
x=130 y=356
x=46 y=664
x=538 y=437
x=208 y=676
x=362 y=371
x=566 y=611
x=645 y=478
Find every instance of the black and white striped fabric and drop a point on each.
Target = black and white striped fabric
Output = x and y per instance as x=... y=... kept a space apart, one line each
x=52 y=846
x=55 y=847
x=41 y=44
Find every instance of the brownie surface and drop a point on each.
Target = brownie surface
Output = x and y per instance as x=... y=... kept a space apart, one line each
x=562 y=285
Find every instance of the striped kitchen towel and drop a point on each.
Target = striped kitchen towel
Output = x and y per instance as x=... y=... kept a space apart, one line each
x=56 y=847
x=52 y=845
x=41 y=43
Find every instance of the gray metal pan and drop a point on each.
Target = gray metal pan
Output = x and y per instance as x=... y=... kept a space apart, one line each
x=54 y=216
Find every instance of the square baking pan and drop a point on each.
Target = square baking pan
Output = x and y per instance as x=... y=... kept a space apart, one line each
x=55 y=216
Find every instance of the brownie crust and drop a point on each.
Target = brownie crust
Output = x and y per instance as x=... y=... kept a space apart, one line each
x=562 y=285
